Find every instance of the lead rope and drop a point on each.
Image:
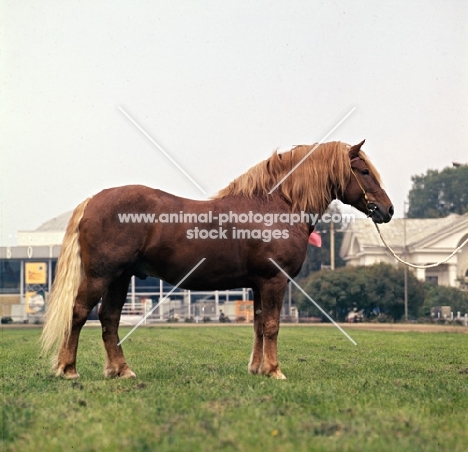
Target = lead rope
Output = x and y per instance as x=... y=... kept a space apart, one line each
x=409 y=264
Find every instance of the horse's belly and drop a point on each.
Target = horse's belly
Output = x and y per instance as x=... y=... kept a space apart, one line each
x=202 y=274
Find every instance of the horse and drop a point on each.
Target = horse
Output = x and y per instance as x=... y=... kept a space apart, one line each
x=101 y=251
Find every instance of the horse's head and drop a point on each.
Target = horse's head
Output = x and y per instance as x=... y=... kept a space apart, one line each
x=364 y=191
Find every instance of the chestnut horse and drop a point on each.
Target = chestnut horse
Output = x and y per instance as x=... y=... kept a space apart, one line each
x=102 y=250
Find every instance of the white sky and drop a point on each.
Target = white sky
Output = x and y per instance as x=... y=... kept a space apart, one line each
x=220 y=86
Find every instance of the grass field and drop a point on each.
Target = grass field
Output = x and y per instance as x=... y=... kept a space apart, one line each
x=391 y=392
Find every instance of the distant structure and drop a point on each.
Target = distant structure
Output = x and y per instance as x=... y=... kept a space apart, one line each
x=27 y=270
x=419 y=241
x=48 y=234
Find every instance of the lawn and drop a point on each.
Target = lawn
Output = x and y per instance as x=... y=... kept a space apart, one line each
x=391 y=392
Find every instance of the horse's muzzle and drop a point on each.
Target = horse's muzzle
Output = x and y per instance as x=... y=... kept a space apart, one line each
x=378 y=213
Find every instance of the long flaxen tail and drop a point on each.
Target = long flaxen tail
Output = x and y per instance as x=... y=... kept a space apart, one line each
x=68 y=277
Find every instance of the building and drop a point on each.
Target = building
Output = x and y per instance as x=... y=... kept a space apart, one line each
x=419 y=241
x=28 y=270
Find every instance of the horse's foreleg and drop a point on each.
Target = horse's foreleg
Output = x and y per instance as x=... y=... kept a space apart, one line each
x=257 y=350
x=109 y=316
x=88 y=296
x=272 y=301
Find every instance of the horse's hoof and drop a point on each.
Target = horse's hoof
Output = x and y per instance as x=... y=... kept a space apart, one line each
x=69 y=374
x=127 y=373
x=278 y=375
x=253 y=369
x=124 y=373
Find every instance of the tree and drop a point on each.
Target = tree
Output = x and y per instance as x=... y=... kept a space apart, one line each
x=444 y=296
x=377 y=288
x=438 y=194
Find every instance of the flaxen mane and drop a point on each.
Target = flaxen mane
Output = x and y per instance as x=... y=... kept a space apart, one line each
x=313 y=184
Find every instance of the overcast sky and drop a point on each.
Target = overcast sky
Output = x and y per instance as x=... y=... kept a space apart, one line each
x=220 y=86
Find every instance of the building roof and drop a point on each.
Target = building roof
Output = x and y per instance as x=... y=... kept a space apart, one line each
x=56 y=224
x=417 y=229
x=50 y=233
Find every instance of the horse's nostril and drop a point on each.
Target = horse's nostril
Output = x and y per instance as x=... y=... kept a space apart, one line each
x=390 y=211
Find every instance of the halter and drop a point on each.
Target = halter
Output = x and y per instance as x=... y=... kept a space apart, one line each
x=371 y=206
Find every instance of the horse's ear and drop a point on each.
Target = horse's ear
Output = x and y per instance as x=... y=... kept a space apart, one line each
x=354 y=150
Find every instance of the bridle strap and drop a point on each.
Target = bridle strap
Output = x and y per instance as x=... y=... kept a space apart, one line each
x=370 y=206
x=360 y=186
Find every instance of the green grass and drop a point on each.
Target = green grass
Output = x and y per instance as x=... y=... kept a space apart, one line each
x=392 y=392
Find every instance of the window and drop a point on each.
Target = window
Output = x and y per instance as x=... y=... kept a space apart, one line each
x=10 y=276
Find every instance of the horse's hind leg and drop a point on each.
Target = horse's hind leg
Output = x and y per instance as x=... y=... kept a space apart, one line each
x=109 y=315
x=257 y=350
x=88 y=296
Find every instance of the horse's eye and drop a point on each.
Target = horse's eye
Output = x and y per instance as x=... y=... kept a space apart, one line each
x=365 y=172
